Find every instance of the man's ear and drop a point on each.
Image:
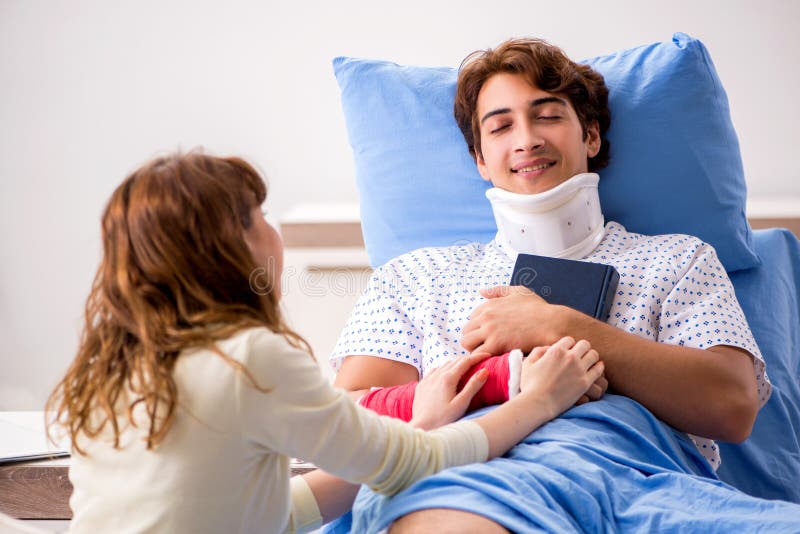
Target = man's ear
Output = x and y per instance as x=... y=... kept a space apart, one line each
x=592 y=140
x=482 y=168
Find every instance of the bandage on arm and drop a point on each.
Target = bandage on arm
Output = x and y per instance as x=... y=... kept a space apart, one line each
x=397 y=401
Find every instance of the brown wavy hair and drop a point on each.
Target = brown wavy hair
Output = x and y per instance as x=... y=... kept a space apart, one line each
x=174 y=274
x=545 y=66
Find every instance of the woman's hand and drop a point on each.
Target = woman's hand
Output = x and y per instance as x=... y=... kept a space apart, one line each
x=560 y=374
x=595 y=391
x=436 y=399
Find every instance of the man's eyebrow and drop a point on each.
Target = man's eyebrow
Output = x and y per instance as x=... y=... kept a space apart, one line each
x=548 y=100
x=495 y=112
x=533 y=104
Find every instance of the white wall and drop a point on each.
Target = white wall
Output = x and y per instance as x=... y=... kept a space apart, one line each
x=89 y=89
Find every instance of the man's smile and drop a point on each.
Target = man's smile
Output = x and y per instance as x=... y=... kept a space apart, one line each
x=535 y=167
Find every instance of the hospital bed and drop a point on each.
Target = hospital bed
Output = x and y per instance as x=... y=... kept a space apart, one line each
x=675 y=168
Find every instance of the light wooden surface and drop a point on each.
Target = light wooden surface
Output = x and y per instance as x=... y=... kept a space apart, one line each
x=792 y=223
x=322 y=225
x=335 y=234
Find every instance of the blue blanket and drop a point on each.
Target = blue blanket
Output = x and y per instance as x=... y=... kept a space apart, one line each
x=605 y=466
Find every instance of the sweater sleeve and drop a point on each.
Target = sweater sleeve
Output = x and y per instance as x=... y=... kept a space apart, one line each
x=297 y=412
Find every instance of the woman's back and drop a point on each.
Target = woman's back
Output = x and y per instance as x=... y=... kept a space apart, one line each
x=209 y=474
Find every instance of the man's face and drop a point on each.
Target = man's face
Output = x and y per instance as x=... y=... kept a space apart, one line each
x=531 y=140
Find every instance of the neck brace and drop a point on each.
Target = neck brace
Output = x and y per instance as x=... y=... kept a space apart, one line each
x=564 y=222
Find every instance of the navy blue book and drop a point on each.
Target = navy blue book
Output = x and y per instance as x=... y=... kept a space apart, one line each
x=586 y=287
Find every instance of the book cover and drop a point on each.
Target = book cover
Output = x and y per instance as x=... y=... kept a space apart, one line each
x=586 y=287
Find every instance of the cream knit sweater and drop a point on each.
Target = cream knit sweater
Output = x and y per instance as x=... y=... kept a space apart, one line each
x=224 y=465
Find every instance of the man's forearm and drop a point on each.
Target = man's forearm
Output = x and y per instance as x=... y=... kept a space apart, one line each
x=359 y=373
x=710 y=393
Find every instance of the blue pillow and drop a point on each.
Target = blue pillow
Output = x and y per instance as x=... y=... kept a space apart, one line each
x=675 y=162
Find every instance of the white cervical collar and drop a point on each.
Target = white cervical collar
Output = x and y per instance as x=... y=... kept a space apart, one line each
x=564 y=222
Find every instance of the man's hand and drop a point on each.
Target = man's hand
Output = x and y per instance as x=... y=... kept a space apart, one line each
x=513 y=317
x=595 y=391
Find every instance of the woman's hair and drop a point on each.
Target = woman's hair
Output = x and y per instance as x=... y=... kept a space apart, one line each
x=175 y=274
x=545 y=66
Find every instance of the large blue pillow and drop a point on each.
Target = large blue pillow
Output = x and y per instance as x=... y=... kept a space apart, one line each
x=675 y=161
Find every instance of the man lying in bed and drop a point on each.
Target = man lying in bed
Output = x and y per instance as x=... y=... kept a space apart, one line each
x=676 y=342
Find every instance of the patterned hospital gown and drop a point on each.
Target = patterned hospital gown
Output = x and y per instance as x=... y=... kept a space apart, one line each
x=672 y=289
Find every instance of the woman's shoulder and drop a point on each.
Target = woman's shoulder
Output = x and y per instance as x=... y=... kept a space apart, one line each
x=254 y=339
x=261 y=349
x=250 y=334
x=241 y=346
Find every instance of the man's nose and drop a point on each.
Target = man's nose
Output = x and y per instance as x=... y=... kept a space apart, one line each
x=528 y=138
